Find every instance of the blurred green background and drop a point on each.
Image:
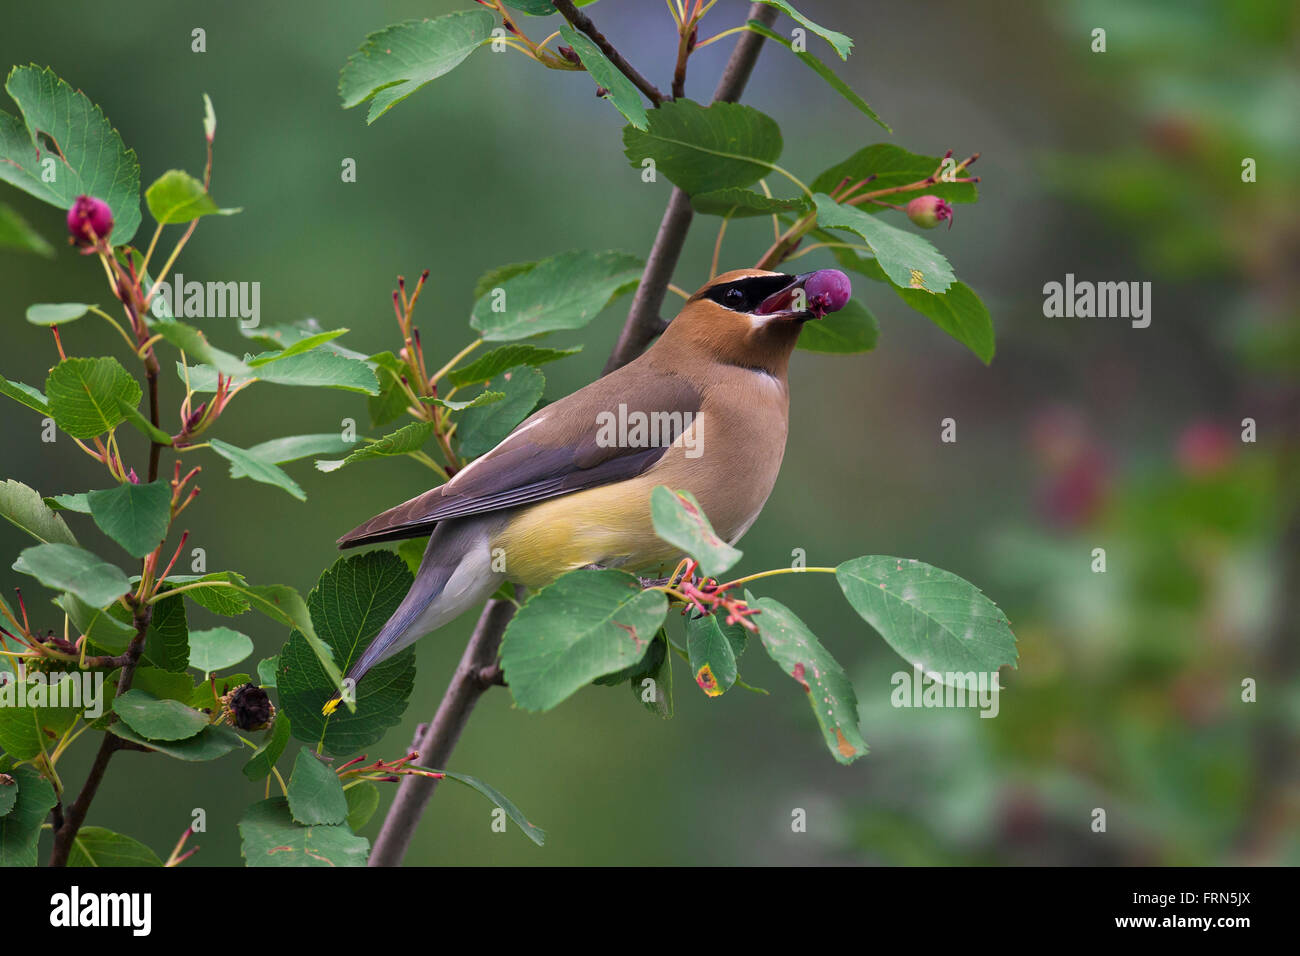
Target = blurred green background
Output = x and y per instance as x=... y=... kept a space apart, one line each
x=1083 y=433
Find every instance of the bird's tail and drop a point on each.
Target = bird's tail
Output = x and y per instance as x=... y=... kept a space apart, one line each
x=455 y=574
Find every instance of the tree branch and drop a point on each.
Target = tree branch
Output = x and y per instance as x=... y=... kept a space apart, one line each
x=477 y=671
x=581 y=21
x=643 y=321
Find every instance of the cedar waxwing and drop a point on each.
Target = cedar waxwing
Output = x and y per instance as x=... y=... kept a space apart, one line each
x=704 y=409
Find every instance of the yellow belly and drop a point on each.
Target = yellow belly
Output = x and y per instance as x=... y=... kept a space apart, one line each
x=609 y=525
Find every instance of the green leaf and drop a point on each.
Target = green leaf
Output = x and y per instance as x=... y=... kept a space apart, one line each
x=395 y=62
x=712 y=653
x=305 y=344
x=820 y=68
x=166 y=685
x=536 y=834
x=65 y=567
x=270 y=837
x=282 y=603
x=482 y=429
x=96 y=846
x=56 y=314
x=20 y=828
x=849 y=331
x=26 y=732
x=315 y=793
x=319 y=368
x=679 y=520
x=266 y=669
x=494 y=277
x=843 y=45
x=227 y=601
x=736 y=203
x=91 y=159
x=177 y=197
x=218 y=648
x=27 y=395
x=75 y=502
x=704 y=149
x=348 y=606
x=280 y=451
x=210 y=743
x=908 y=260
x=482 y=398
x=103 y=628
x=24 y=508
x=208 y=693
x=585 y=624
x=16 y=234
x=143 y=425
x=935 y=620
x=407 y=439
x=788 y=641
x=195 y=346
x=960 y=313
x=661 y=702
x=135 y=516
x=156 y=719
x=892 y=166
x=8 y=795
x=167 y=642
x=264 y=758
x=623 y=94
x=506 y=357
x=84 y=395
x=256 y=468
x=564 y=292
x=363 y=801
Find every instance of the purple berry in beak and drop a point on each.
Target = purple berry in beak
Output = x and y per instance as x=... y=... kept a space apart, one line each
x=828 y=290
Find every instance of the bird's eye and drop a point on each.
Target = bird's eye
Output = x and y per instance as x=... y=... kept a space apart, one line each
x=733 y=297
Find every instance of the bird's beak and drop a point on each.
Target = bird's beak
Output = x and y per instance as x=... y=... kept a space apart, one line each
x=809 y=296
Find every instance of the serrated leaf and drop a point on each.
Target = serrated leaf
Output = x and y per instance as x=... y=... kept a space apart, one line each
x=102 y=627
x=270 y=837
x=281 y=451
x=494 y=277
x=908 y=260
x=28 y=731
x=704 y=149
x=788 y=641
x=960 y=313
x=84 y=394
x=135 y=516
x=712 y=653
x=217 y=648
x=27 y=395
x=564 y=292
x=818 y=67
x=211 y=743
x=65 y=567
x=850 y=331
x=177 y=197
x=938 y=622
x=256 y=468
x=20 y=828
x=8 y=795
x=90 y=158
x=843 y=45
x=891 y=166
x=660 y=703
x=482 y=398
x=264 y=758
x=282 y=603
x=679 y=520
x=623 y=94
x=16 y=234
x=266 y=669
x=56 y=313
x=167 y=642
x=585 y=624
x=395 y=62
x=318 y=368
x=218 y=598
x=407 y=439
x=736 y=203
x=503 y=358
x=315 y=794
x=24 y=508
x=349 y=605
x=479 y=430
x=98 y=847
x=305 y=344
x=156 y=719
x=195 y=345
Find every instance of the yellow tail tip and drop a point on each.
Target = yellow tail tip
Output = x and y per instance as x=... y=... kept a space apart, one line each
x=331 y=705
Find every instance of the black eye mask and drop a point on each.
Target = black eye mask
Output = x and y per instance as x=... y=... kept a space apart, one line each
x=745 y=295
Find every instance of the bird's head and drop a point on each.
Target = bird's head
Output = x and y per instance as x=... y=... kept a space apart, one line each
x=752 y=317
